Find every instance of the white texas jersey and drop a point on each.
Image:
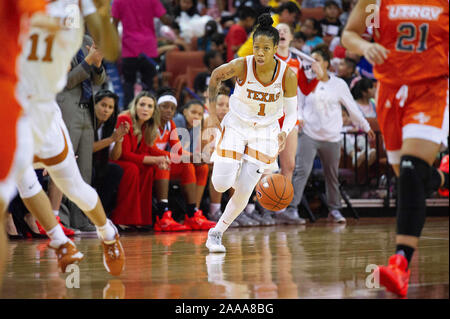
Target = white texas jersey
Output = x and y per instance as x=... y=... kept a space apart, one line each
x=45 y=59
x=255 y=102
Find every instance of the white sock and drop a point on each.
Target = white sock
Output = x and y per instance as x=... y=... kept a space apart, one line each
x=250 y=208
x=56 y=212
x=214 y=207
x=57 y=236
x=107 y=232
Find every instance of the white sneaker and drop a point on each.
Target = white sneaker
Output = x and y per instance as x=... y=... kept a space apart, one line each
x=214 y=242
x=336 y=216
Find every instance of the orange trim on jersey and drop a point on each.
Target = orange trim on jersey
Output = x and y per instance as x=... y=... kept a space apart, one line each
x=55 y=159
x=259 y=156
x=256 y=75
x=241 y=83
x=227 y=153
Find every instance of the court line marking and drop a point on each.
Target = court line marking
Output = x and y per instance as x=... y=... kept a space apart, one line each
x=434 y=238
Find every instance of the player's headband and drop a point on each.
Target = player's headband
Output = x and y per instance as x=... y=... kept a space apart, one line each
x=167 y=98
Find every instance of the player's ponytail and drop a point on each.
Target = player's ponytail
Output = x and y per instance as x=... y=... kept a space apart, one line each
x=265 y=27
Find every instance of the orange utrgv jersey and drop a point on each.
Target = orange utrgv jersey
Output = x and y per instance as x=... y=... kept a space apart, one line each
x=416 y=34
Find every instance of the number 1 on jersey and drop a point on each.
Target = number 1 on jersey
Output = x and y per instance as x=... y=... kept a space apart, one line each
x=262 y=107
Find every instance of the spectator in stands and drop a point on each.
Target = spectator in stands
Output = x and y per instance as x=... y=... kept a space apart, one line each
x=107 y=144
x=138 y=160
x=299 y=42
x=218 y=44
x=260 y=6
x=181 y=168
x=212 y=59
x=313 y=31
x=237 y=35
x=138 y=41
x=190 y=120
x=347 y=7
x=330 y=23
x=356 y=152
x=204 y=43
x=363 y=92
x=346 y=70
x=322 y=116
x=86 y=70
x=189 y=7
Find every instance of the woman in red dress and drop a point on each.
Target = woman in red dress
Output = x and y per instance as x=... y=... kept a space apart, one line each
x=138 y=159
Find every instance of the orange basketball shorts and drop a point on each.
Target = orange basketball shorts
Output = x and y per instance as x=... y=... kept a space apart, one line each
x=412 y=111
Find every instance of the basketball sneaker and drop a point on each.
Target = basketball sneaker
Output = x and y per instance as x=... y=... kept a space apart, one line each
x=245 y=221
x=67 y=254
x=336 y=216
x=67 y=231
x=394 y=276
x=198 y=221
x=255 y=215
x=113 y=256
x=215 y=216
x=167 y=223
x=290 y=217
x=214 y=242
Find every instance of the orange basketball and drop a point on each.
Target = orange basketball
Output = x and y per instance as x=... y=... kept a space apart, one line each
x=274 y=192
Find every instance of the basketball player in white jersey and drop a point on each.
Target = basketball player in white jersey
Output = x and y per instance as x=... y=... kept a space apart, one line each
x=44 y=64
x=251 y=137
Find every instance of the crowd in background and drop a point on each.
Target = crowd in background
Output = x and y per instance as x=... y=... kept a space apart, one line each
x=112 y=110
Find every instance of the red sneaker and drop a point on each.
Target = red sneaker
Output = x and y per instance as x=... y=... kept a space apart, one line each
x=167 y=223
x=444 y=167
x=394 y=276
x=198 y=221
x=67 y=231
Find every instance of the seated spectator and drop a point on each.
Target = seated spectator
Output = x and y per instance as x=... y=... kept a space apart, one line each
x=138 y=161
x=179 y=169
x=237 y=35
x=222 y=108
x=363 y=92
x=317 y=3
x=347 y=7
x=106 y=175
x=299 y=42
x=191 y=23
x=204 y=43
x=218 y=44
x=346 y=70
x=190 y=119
x=260 y=6
x=212 y=59
x=356 y=152
x=330 y=23
x=313 y=31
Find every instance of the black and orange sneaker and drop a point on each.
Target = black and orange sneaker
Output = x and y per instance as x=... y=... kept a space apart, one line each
x=67 y=254
x=395 y=276
x=167 y=223
x=198 y=221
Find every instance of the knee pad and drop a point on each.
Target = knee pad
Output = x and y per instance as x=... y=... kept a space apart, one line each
x=28 y=184
x=412 y=184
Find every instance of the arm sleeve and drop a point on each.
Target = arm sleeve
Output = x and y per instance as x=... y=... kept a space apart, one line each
x=290 y=110
x=127 y=152
x=306 y=86
x=355 y=113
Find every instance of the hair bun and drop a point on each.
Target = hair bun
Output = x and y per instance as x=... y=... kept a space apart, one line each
x=265 y=20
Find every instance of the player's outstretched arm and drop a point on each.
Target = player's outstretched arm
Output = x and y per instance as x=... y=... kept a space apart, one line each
x=224 y=72
x=103 y=31
x=356 y=25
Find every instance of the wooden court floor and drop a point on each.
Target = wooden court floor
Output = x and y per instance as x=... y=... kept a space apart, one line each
x=319 y=260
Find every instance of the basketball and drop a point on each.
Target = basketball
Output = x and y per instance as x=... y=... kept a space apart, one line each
x=274 y=192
